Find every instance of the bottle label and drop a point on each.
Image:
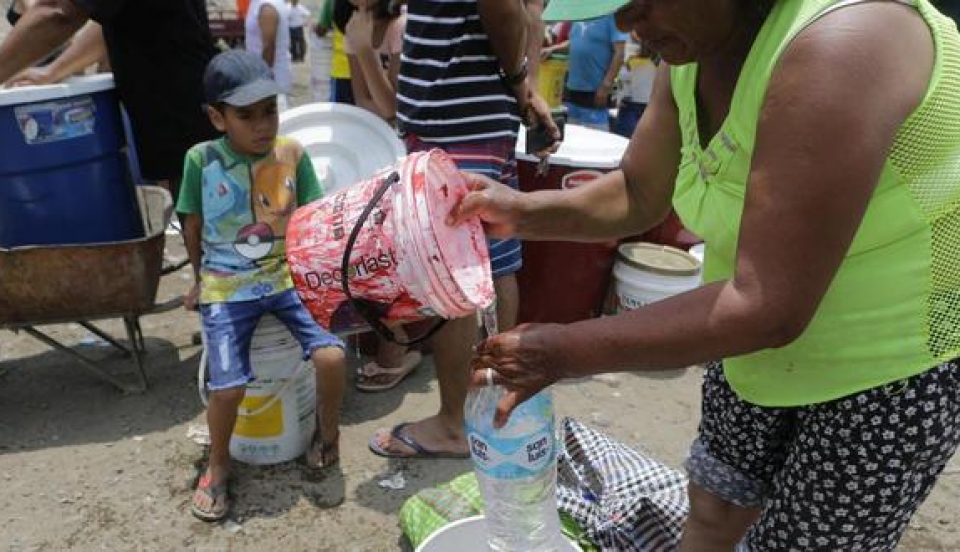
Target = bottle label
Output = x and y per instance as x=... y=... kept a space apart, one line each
x=512 y=458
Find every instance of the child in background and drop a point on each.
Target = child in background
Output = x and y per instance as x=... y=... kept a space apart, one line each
x=374 y=41
x=237 y=195
x=340 y=87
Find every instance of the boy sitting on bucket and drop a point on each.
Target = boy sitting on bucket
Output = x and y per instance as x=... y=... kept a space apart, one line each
x=238 y=193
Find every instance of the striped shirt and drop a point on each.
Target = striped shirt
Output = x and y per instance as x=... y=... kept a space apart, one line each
x=449 y=88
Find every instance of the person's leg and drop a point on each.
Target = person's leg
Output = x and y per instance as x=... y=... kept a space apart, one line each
x=508 y=300
x=860 y=466
x=342 y=91
x=325 y=350
x=627 y=118
x=331 y=368
x=739 y=449
x=453 y=345
x=714 y=524
x=294 y=45
x=221 y=419
x=506 y=256
x=392 y=363
x=228 y=328
x=444 y=432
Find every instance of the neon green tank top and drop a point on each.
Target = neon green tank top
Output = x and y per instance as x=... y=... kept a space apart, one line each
x=893 y=309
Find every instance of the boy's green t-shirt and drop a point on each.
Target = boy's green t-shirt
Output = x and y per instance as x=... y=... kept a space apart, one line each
x=245 y=204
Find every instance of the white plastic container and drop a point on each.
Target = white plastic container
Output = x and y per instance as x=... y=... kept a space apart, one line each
x=346 y=143
x=469 y=535
x=646 y=273
x=278 y=415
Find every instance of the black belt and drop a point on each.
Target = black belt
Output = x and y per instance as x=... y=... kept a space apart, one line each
x=580 y=98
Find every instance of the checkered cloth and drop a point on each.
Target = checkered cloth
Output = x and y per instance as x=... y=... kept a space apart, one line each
x=622 y=499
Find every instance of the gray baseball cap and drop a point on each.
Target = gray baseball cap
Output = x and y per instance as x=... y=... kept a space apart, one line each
x=238 y=78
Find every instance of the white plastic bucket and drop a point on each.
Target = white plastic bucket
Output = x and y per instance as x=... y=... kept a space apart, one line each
x=470 y=535
x=406 y=259
x=278 y=415
x=646 y=273
x=346 y=143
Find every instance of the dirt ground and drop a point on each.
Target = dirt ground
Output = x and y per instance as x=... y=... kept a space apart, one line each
x=84 y=467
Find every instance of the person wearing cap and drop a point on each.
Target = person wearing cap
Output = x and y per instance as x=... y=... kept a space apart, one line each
x=238 y=193
x=158 y=84
x=819 y=160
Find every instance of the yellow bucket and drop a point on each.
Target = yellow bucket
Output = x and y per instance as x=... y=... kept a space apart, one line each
x=552 y=77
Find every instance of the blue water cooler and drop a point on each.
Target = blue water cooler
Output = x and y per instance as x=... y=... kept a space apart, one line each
x=64 y=172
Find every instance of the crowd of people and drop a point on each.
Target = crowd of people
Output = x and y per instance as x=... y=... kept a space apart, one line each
x=831 y=391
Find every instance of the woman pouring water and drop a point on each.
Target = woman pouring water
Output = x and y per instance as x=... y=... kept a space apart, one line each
x=819 y=161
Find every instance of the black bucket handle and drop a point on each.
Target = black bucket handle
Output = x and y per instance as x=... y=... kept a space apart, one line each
x=373 y=311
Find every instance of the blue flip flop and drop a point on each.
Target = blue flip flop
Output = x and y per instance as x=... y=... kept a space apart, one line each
x=419 y=450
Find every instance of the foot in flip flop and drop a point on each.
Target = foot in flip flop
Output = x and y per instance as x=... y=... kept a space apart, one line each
x=400 y=442
x=210 y=502
x=373 y=377
x=323 y=454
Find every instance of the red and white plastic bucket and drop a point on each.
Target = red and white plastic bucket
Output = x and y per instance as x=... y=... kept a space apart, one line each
x=405 y=260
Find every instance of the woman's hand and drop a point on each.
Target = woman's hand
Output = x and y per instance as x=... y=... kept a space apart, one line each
x=524 y=361
x=498 y=206
x=359 y=30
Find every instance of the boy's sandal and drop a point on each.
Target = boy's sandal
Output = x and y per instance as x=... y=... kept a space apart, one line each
x=372 y=377
x=322 y=454
x=217 y=497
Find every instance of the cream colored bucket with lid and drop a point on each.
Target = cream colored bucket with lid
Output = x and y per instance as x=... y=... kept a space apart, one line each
x=278 y=415
x=646 y=273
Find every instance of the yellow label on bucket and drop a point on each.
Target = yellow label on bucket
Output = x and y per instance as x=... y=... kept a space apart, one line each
x=268 y=423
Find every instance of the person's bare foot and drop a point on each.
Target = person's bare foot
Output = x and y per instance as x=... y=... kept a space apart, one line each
x=430 y=437
x=323 y=453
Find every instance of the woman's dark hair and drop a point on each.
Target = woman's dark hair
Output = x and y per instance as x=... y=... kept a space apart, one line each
x=343 y=9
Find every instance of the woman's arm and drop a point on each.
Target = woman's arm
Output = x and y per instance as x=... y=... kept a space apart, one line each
x=86 y=48
x=44 y=26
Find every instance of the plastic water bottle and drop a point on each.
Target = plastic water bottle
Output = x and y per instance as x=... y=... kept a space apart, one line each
x=517 y=471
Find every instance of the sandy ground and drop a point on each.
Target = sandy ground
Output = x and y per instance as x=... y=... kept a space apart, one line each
x=85 y=467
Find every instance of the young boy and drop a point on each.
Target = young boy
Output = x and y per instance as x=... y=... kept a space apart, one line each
x=238 y=193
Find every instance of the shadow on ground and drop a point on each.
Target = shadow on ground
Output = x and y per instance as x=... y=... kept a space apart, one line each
x=48 y=400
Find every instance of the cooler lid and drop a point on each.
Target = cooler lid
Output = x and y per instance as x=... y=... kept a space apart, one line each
x=582 y=147
x=74 y=86
x=346 y=143
x=659 y=259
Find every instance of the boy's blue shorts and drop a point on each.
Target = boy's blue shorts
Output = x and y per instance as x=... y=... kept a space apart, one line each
x=228 y=329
